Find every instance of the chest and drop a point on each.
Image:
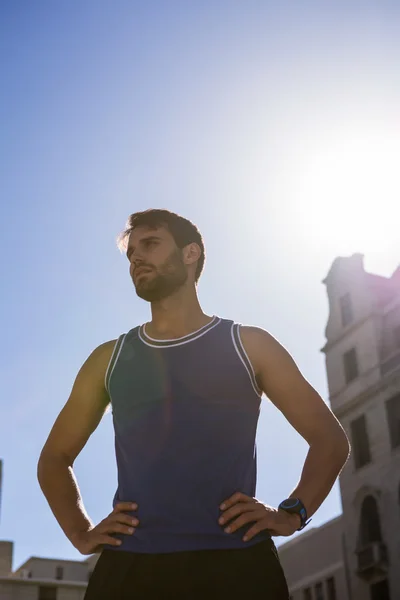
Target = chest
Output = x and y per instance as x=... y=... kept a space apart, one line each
x=187 y=376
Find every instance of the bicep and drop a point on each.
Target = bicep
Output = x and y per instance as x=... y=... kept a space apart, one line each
x=299 y=402
x=291 y=393
x=84 y=408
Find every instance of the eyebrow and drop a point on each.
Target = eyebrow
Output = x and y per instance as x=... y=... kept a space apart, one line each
x=149 y=238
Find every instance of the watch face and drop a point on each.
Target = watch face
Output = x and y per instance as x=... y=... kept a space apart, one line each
x=290 y=503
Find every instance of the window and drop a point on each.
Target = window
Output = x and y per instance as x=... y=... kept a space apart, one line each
x=360 y=442
x=59 y=573
x=393 y=417
x=47 y=593
x=370 y=523
x=307 y=595
x=319 y=591
x=350 y=365
x=346 y=309
x=331 y=589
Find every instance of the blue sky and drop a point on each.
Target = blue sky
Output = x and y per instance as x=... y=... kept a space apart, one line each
x=274 y=128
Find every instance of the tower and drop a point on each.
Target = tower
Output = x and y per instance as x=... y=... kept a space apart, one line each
x=362 y=354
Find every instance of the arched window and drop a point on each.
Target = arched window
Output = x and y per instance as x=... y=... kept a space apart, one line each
x=370 y=524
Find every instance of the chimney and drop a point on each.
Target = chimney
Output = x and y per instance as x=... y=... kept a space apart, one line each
x=6 y=556
x=6 y=548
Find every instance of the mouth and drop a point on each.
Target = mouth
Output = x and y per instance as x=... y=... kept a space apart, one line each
x=140 y=271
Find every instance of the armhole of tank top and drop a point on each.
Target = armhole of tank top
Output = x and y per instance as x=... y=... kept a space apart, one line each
x=238 y=345
x=113 y=361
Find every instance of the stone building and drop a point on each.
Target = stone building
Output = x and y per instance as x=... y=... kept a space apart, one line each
x=361 y=549
x=43 y=578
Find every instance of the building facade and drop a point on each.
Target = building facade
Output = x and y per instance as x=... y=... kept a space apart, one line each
x=43 y=578
x=363 y=368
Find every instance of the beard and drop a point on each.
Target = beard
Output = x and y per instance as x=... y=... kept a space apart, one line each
x=169 y=277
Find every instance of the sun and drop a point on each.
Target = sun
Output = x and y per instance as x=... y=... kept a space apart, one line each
x=348 y=194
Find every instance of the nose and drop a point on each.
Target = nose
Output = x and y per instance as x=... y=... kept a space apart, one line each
x=136 y=262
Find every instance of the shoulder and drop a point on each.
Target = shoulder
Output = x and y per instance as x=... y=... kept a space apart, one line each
x=261 y=346
x=257 y=337
x=98 y=360
x=104 y=351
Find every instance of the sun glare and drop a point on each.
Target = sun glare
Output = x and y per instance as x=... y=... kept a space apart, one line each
x=348 y=195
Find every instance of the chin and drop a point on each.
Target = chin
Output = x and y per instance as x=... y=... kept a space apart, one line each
x=151 y=295
x=146 y=294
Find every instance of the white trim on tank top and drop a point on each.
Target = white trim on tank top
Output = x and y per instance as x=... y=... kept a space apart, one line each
x=113 y=361
x=251 y=373
x=195 y=335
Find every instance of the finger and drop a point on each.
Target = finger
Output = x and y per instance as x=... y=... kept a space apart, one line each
x=108 y=527
x=261 y=525
x=108 y=539
x=125 y=506
x=256 y=528
x=237 y=497
x=236 y=510
x=249 y=517
x=122 y=518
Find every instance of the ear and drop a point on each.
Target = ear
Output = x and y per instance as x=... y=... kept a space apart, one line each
x=191 y=253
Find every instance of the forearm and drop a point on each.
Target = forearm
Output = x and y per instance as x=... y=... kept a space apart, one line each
x=59 y=485
x=322 y=466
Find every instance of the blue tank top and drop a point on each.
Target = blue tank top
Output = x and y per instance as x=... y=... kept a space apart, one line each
x=185 y=414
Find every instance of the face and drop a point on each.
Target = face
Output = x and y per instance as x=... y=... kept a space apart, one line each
x=156 y=264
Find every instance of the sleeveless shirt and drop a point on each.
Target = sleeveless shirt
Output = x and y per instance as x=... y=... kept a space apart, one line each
x=185 y=414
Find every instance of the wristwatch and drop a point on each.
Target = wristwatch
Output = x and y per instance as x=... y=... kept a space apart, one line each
x=295 y=506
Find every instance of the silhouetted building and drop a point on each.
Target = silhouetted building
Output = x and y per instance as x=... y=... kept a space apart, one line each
x=357 y=556
x=43 y=578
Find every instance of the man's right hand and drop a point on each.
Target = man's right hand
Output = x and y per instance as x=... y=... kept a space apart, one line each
x=93 y=540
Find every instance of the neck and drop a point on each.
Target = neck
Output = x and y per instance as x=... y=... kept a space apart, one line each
x=177 y=316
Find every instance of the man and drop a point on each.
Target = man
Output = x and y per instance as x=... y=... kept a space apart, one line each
x=185 y=390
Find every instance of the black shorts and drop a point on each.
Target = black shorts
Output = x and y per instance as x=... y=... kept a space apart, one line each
x=246 y=573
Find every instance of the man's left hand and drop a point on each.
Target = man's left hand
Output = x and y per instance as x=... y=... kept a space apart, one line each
x=239 y=509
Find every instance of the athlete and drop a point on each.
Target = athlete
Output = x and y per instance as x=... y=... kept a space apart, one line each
x=185 y=392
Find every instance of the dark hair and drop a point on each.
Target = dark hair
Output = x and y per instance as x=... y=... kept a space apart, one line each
x=182 y=230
